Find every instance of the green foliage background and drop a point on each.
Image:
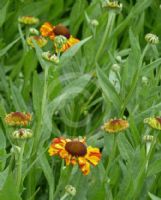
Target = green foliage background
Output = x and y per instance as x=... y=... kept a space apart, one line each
x=77 y=96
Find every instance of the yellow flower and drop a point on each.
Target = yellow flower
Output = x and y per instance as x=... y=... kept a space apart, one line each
x=115 y=125
x=154 y=122
x=18 y=119
x=28 y=20
x=75 y=152
x=38 y=39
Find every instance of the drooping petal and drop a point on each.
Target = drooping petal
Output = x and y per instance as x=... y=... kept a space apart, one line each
x=84 y=165
x=93 y=155
x=70 y=42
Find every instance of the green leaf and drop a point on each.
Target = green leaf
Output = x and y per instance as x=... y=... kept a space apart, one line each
x=76 y=16
x=3 y=13
x=125 y=147
x=67 y=55
x=48 y=174
x=154 y=168
x=153 y=197
x=3 y=177
x=17 y=99
x=9 y=46
x=108 y=89
x=37 y=93
x=9 y=190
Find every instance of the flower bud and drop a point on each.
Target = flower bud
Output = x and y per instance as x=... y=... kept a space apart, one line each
x=34 y=31
x=151 y=38
x=22 y=134
x=38 y=39
x=144 y=80
x=59 y=41
x=50 y=57
x=112 y=6
x=116 y=67
x=148 y=138
x=70 y=190
x=54 y=59
x=94 y=22
x=28 y=20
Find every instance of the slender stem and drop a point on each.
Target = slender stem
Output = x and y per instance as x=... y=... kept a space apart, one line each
x=64 y=196
x=20 y=163
x=107 y=32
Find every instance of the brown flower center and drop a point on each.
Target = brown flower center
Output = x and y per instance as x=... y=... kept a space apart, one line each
x=115 y=121
x=19 y=115
x=76 y=148
x=158 y=119
x=62 y=30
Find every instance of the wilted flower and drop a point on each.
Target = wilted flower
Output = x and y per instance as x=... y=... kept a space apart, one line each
x=154 y=122
x=115 y=125
x=70 y=190
x=112 y=6
x=151 y=38
x=22 y=133
x=75 y=152
x=50 y=57
x=38 y=39
x=34 y=31
x=28 y=20
x=18 y=119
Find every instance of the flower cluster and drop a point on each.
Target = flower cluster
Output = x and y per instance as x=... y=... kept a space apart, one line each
x=50 y=31
x=75 y=152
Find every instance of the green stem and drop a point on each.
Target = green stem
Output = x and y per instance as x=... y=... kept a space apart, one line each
x=64 y=196
x=20 y=163
x=107 y=32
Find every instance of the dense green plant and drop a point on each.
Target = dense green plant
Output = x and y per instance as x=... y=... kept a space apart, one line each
x=112 y=72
